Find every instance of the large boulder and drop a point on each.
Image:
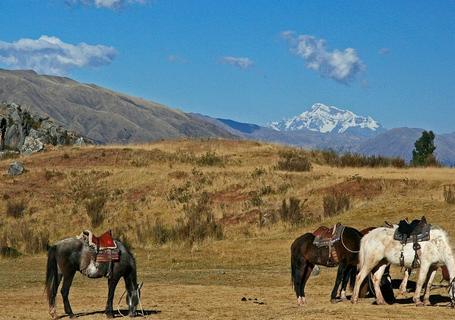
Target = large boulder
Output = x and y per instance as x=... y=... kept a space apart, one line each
x=15 y=169
x=31 y=145
x=28 y=133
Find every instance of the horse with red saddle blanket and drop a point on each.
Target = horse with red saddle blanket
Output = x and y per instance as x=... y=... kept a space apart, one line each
x=94 y=257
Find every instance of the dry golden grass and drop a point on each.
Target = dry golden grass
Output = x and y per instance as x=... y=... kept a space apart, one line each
x=208 y=279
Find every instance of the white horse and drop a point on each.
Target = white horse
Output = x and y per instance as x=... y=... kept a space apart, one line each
x=378 y=249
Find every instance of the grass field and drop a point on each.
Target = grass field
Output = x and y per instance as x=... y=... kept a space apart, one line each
x=133 y=186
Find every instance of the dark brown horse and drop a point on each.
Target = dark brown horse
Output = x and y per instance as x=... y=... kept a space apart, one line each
x=305 y=255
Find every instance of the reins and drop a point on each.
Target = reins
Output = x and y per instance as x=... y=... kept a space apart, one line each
x=342 y=242
x=139 y=299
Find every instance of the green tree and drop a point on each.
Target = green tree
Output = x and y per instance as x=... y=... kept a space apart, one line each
x=422 y=155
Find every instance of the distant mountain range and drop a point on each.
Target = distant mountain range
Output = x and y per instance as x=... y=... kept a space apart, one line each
x=110 y=117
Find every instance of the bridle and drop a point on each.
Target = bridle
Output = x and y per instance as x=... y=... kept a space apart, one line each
x=138 y=293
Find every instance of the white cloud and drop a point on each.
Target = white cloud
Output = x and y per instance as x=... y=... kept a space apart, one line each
x=339 y=65
x=109 y=4
x=239 y=62
x=384 y=51
x=174 y=58
x=50 y=55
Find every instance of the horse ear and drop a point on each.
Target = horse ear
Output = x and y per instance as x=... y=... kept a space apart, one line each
x=424 y=219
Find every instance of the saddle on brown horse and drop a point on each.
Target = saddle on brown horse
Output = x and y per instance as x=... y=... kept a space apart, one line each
x=415 y=232
x=327 y=237
x=104 y=247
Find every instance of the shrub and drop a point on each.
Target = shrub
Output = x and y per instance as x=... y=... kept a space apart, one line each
x=335 y=202
x=160 y=233
x=449 y=195
x=257 y=172
x=292 y=213
x=35 y=241
x=255 y=199
x=293 y=160
x=209 y=159
x=333 y=159
x=94 y=207
x=180 y=194
x=15 y=209
x=198 y=222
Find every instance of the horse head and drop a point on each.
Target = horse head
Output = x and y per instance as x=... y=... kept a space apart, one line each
x=133 y=299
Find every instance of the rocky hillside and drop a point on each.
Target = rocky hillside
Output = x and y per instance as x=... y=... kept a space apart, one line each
x=100 y=114
x=25 y=132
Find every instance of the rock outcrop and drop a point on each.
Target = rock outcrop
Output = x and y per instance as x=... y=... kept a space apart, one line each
x=29 y=133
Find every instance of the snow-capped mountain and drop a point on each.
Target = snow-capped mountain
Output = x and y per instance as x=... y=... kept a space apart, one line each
x=328 y=119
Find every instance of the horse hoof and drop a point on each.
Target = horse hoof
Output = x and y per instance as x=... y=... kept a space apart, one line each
x=354 y=301
x=335 y=300
x=419 y=304
x=72 y=316
x=380 y=303
x=301 y=301
x=426 y=303
x=109 y=315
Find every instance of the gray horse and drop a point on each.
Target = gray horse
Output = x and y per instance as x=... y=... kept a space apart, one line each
x=73 y=254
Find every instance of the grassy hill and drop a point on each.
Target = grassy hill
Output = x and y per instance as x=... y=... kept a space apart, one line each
x=145 y=193
x=98 y=113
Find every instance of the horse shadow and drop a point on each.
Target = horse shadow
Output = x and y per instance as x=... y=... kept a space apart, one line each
x=116 y=313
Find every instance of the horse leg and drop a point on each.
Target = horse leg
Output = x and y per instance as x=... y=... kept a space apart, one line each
x=429 y=281
x=112 y=284
x=423 y=272
x=299 y=283
x=404 y=283
x=347 y=275
x=67 y=281
x=365 y=270
x=377 y=276
x=52 y=309
x=306 y=275
x=340 y=274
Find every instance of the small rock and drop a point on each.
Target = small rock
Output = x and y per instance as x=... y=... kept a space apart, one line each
x=79 y=142
x=243 y=299
x=15 y=169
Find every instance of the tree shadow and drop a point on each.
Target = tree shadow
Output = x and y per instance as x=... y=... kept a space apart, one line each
x=116 y=313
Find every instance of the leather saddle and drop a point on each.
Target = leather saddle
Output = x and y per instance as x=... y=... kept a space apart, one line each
x=324 y=236
x=416 y=231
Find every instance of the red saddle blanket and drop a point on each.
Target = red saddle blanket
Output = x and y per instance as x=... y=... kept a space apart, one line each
x=105 y=241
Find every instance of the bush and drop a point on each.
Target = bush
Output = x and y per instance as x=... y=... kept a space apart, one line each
x=209 y=159
x=333 y=159
x=198 y=222
x=160 y=234
x=94 y=207
x=15 y=209
x=293 y=160
x=449 y=195
x=292 y=213
x=335 y=202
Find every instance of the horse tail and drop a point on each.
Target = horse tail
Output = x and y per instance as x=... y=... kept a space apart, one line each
x=51 y=276
x=295 y=267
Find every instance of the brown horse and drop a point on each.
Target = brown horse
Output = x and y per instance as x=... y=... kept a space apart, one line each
x=305 y=255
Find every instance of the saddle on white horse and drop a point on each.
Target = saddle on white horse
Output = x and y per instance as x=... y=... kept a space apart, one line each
x=414 y=232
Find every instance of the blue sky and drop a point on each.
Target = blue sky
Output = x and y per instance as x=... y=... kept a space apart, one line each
x=252 y=61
